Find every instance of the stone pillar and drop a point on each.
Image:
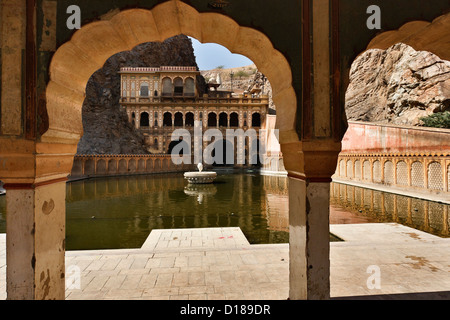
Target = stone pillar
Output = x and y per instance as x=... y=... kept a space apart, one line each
x=309 y=239
x=136 y=120
x=425 y=164
x=35 y=241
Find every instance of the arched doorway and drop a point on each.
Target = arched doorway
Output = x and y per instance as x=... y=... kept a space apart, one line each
x=178 y=122
x=167 y=87
x=178 y=87
x=167 y=120
x=145 y=120
x=234 y=120
x=190 y=119
x=189 y=87
x=223 y=120
x=256 y=120
x=212 y=120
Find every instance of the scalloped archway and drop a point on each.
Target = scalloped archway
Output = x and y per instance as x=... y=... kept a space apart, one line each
x=421 y=35
x=90 y=47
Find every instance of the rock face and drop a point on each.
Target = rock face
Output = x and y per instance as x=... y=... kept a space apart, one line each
x=244 y=79
x=106 y=126
x=398 y=85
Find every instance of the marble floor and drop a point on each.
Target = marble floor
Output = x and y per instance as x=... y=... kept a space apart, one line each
x=375 y=261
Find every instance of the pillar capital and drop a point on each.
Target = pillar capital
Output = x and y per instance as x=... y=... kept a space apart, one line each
x=24 y=162
x=313 y=161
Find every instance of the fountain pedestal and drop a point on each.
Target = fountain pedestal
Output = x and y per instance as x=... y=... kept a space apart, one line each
x=200 y=177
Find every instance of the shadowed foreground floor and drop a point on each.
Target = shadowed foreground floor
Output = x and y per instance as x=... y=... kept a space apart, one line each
x=192 y=264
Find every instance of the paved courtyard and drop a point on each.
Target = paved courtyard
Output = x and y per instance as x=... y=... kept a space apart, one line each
x=221 y=264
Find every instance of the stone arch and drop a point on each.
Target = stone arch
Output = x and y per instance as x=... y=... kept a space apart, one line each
x=256 y=120
x=89 y=167
x=377 y=171
x=157 y=166
x=150 y=165
x=77 y=169
x=421 y=35
x=145 y=119
x=167 y=119
x=342 y=169
x=112 y=166
x=212 y=120
x=178 y=119
x=435 y=176
x=367 y=175
x=123 y=166
x=167 y=87
x=141 y=165
x=132 y=167
x=178 y=87
x=95 y=42
x=165 y=165
x=223 y=119
x=417 y=175
x=190 y=119
x=101 y=167
x=350 y=169
x=189 y=87
x=358 y=169
x=402 y=173
x=234 y=120
x=274 y=164
x=389 y=177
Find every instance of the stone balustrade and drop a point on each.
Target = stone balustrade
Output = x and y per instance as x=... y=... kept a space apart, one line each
x=414 y=173
x=167 y=99
x=87 y=166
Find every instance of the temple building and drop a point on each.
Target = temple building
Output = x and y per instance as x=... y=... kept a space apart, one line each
x=161 y=100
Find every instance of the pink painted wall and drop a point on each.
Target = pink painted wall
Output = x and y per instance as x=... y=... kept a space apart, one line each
x=368 y=137
x=273 y=145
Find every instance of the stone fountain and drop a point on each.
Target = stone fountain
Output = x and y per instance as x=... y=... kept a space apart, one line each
x=200 y=177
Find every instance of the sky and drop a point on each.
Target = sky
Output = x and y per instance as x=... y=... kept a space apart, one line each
x=211 y=55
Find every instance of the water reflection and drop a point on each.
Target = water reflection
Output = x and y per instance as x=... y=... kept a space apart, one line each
x=201 y=191
x=120 y=212
x=377 y=206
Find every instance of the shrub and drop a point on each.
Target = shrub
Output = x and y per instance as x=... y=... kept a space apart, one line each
x=241 y=74
x=437 y=120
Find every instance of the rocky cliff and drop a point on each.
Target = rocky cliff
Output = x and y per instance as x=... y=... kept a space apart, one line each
x=244 y=79
x=398 y=85
x=106 y=126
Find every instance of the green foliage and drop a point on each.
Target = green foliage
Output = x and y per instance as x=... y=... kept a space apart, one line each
x=241 y=74
x=437 y=120
x=220 y=67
